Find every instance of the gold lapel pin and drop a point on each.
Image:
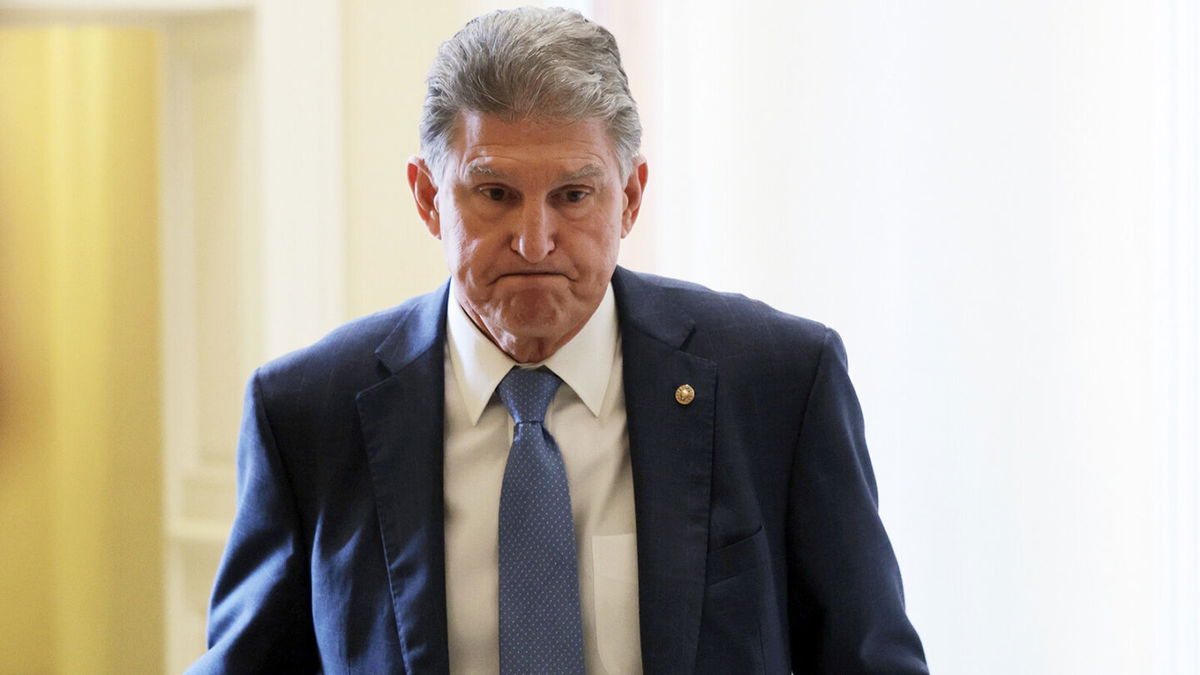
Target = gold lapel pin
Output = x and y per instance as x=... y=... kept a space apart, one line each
x=685 y=394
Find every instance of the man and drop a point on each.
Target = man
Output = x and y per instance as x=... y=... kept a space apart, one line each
x=552 y=464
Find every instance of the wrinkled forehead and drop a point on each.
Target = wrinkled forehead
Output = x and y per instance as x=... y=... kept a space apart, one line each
x=496 y=147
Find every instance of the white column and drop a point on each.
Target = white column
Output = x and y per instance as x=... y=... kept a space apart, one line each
x=300 y=117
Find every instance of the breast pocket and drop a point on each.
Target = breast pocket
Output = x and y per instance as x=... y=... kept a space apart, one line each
x=738 y=557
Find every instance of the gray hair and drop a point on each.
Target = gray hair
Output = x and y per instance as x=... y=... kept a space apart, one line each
x=529 y=63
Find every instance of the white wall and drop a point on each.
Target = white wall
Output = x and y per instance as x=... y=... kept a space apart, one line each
x=977 y=196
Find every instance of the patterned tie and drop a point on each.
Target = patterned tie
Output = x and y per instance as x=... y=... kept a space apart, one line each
x=540 y=629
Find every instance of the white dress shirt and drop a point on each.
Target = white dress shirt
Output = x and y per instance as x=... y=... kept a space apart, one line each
x=587 y=420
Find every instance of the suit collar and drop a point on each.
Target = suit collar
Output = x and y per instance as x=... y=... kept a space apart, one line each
x=420 y=327
x=643 y=305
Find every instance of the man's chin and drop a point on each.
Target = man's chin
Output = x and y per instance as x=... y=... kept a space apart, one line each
x=533 y=318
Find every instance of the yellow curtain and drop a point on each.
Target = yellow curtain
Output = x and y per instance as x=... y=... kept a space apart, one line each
x=80 y=436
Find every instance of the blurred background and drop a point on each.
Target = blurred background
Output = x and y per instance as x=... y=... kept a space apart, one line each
x=996 y=203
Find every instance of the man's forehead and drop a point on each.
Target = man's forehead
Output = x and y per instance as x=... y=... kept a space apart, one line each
x=499 y=142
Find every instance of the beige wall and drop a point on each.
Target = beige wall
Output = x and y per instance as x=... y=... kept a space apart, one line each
x=80 y=485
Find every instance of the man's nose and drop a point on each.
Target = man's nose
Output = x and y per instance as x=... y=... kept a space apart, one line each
x=535 y=233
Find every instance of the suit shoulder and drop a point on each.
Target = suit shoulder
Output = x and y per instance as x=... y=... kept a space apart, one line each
x=734 y=320
x=346 y=356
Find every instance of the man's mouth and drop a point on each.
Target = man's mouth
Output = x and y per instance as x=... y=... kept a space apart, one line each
x=532 y=273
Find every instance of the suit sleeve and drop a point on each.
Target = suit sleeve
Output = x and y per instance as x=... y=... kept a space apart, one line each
x=260 y=617
x=846 y=603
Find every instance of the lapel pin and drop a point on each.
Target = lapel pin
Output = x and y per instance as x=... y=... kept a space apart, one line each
x=685 y=394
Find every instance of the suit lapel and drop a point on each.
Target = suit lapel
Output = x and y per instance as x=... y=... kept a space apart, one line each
x=401 y=421
x=671 y=448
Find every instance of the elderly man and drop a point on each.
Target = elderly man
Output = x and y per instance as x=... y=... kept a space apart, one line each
x=552 y=464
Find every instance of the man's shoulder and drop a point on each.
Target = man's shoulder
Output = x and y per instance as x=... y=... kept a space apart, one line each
x=349 y=354
x=728 y=322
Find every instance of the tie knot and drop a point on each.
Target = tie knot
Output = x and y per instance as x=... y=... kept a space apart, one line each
x=527 y=393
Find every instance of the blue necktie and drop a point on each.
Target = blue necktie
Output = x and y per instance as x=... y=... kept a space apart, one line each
x=540 y=629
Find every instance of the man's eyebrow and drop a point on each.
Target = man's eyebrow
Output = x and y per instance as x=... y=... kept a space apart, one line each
x=589 y=171
x=485 y=170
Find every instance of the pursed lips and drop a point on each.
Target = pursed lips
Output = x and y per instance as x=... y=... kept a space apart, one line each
x=531 y=273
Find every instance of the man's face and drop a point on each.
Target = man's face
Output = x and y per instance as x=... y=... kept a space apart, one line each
x=531 y=214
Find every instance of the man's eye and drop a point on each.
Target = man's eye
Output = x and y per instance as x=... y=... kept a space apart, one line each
x=574 y=196
x=494 y=193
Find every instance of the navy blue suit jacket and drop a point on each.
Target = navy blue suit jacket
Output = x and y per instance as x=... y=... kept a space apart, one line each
x=760 y=547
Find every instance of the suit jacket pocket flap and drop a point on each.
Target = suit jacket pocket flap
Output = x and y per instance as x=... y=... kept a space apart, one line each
x=742 y=555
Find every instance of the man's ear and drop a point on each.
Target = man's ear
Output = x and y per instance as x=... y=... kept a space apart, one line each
x=424 y=189
x=635 y=185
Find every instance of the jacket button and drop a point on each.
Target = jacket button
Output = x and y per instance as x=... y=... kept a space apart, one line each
x=685 y=394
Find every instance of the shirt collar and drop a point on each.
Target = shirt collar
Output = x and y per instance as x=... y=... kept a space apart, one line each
x=584 y=363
